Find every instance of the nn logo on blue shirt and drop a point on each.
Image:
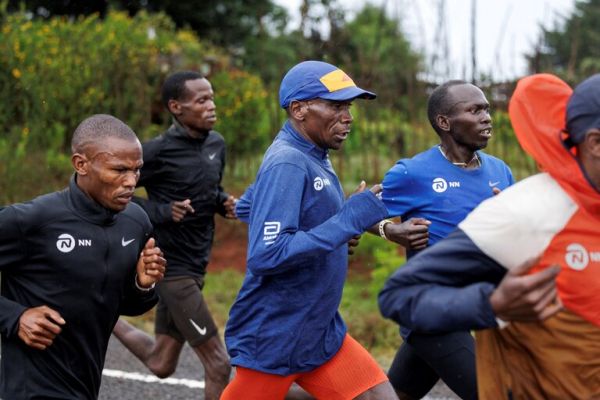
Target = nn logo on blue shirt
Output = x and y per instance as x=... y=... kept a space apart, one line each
x=440 y=185
x=319 y=183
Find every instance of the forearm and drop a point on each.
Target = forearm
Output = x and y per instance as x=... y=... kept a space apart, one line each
x=222 y=196
x=244 y=204
x=433 y=308
x=288 y=248
x=10 y=312
x=444 y=288
x=136 y=301
x=159 y=213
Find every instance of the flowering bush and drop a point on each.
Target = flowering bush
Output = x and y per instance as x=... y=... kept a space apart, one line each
x=242 y=103
x=56 y=72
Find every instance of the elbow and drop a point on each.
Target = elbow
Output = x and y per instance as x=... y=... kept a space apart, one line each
x=384 y=304
x=389 y=305
x=259 y=265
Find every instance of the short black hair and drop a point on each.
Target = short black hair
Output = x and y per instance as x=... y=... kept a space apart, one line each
x=440 y=102
x=97 y=128
x=174 y=85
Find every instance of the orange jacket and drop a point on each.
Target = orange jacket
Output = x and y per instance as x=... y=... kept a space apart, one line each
x=537 y=111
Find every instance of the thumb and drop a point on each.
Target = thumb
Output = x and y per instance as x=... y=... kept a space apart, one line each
x=525 y=267
x=150 y=244
x=361 y=187
x=420 y=221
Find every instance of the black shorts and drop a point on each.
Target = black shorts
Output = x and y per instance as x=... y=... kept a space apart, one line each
x=425 y=358
x=182 y=313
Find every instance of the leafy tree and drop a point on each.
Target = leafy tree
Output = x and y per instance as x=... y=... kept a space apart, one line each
x=49 y=8
x=378 y=55
x=571 y=48
x=223 y=22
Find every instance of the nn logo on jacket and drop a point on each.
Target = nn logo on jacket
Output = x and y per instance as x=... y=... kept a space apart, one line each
x=578 y=257
x=319 y=183
x=66 y=243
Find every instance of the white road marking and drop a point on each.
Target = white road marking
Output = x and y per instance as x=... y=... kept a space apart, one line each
x=136 y=376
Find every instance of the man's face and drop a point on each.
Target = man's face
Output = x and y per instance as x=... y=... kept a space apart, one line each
x=470 y=121
x=327 y=123
x=196 y=109
x=112 y=171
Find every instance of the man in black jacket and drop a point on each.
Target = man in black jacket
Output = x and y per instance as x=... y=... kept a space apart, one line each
x=72 y=262
x=182 y=176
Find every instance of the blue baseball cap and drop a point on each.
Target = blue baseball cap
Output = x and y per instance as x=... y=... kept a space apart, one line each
x=583 y=109
x=319 y=80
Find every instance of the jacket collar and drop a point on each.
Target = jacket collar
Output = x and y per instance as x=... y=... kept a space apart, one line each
x=177 y=130
x=87 y=208
x=289 y=134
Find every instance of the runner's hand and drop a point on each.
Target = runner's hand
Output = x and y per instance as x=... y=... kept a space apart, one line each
x=229 y=205
x=352 y=243
x=38 y=326
x=522 y=297
x=361 y=187
x=412 y=234
x=180 y=209
x=376 y=190
x=151 y=265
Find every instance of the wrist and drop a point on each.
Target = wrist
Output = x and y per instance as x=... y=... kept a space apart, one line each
x=140 y=287
x=381 y=227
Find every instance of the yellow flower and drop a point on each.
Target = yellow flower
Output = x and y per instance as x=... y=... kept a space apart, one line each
x=26 y=26
x=16 y=73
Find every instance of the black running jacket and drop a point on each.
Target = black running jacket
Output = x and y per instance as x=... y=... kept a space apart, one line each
x=178 y=167
x=66 y=251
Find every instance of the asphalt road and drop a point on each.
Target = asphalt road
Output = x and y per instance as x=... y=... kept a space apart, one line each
x=183 y=385
x=126 y=378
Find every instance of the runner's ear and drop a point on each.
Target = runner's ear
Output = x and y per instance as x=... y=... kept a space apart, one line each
x=80 y=163
x=297 y=110
x=174 y=107
x=443 y=122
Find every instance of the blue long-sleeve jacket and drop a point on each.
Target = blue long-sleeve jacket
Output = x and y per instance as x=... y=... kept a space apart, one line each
x=443 y=288
x=285 y=318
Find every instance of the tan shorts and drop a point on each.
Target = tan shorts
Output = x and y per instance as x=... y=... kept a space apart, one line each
x=555 y=359
x=182 y=313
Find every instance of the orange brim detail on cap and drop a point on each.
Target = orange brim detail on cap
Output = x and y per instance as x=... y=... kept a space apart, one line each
x=336 y=80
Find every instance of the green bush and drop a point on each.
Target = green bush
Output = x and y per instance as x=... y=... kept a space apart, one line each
x=241 y=101
x=56 y=72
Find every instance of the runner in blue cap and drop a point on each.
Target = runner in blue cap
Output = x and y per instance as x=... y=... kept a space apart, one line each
x=284 y=326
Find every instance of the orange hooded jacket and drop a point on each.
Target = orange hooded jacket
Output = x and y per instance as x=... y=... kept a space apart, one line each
x=537 y=111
